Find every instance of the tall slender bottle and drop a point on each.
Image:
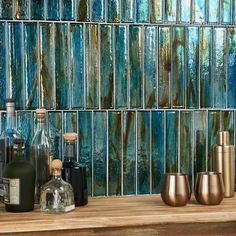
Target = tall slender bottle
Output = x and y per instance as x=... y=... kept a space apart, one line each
x=40 y=153
x=7 y=140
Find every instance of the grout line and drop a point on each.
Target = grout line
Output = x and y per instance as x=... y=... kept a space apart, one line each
x=6 y=31
x=200 y=32
x=171 y=70
x=226 y=67
x=107 y=155
x=69 y=59
x=114 y=67
x=62 y=132
x=128 y=65
x=54 y=64
x=78 y=139
x=92 y=120
x=193 y=149
x=85 y=67
x=157 y=67
x=164 y=122
x=122 y=153
x=212 y=58
x=45 y=10
x=39 y=64
x=23 y=66
x=60 y=10
x=74 y=8
x=179 y=167
x=150 y=150
x=206 y=157
x=99 y=68
x=136 y=152
x=143 y=101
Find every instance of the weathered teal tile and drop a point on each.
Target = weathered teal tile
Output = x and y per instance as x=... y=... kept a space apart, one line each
x=170 y=10
x=37 y=10
x=83 y=10
x=69 y=121
x=21 y=9
x=199 y=11
x=15 y=64
x=121 y=66
x=47 y=83
x=98 y=10
x=226 y=11
x=142 y=10
x=172 y=130
x=85 y=145
x=3 y=121
x=143 y=152
x=31 y=66
x=192 y=73
x=156 y=11
x=157 y=150
x=178 y=76
x=213 y=11
x=150 y=66
x=77 y=65
x=185 y=11
x=129 y=160
x=99 y=153
x=136 y=67
x=6 y=7
x=227 y=123
x=106 y=69
x=92 y=64
x=61 y=66
x=127 y=10
x=114 y=153
x=219 y=62
x=113 y=10
x=205 y=67
x=164 y=67
x=68 y=9
x=53 y=9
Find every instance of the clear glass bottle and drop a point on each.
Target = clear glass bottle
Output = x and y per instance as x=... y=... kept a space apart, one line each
x=19 y=181
x=40 y=153
x=7 y=138
x=57 y=195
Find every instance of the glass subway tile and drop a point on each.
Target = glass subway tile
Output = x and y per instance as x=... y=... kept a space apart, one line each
x=156 y=11
x=170 y=10
x=21 y=9
x=185 y=11
x=113 y=10
x=83 y=10
x=127 y=10
x=226 y=11
x=199 y=11
x=6 y=7
x=227 y=123
x=98 y=10
x=68 y=9
x=37 y=9
x=213 y=11
x=53 y=9
x=3 y=121
x=142 y=10
x=69 y=121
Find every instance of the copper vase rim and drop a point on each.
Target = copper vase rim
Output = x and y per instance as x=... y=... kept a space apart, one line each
x=175 y=174
x=209 y=173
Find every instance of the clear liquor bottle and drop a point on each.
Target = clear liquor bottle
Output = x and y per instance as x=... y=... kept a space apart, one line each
x=57 y=195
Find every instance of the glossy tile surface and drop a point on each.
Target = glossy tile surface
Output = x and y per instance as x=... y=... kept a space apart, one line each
x=98 y=10
x=199 y=11
x=213 y=11
x=21 y=9
x=142 y=10
x=170 y=10
x=68 y=9
x=113 y=10
x=127 y=10
x=6 y=8
x=83 y=10
x=53 y=9
x=226 y=11
x=156 y=11
x=37 y=10
x=185 y=11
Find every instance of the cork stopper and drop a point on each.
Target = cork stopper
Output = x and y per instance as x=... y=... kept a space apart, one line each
x=70 y=137
x=10 y=106
x=41 y=114
x=223 y=138
x=56 y=167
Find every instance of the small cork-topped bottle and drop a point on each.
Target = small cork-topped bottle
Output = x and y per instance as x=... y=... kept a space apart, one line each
x=57 y=195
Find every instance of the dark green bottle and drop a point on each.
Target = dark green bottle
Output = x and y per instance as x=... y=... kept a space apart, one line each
x=19 y=181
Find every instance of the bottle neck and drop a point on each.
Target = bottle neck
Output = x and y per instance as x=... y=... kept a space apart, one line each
x=70 y=154
x=19 y=154
x=41 y=125
x=11 y=121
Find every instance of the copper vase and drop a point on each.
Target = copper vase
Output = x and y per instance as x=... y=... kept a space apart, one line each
x=209 y=189
x=176 y=189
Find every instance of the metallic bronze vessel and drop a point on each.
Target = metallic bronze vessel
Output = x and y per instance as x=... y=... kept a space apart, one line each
x=176 y=190
x=209 y=188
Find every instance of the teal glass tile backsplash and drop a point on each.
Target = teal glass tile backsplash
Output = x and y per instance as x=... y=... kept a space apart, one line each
x=146 y=84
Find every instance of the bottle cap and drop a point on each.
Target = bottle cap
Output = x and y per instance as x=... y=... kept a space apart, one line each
x=223 y=138
x=70 y=137
x=40 y=114
x=10 y=106
x=56 y=167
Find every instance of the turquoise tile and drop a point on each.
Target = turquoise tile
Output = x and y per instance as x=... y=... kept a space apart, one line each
x=150 y=66
x=6 y=7
x=77 y=65
x=47 y=83
x=199 y=11
x=226 y=11
x=68 y=9
x=213 y=11
x=106 y=69
x=127 y=10
x=99 y=153
x=178 y=76
x=21 y=9
x=172 y=142
x=143 y=152
x=157 y=150
x=164 y=67
x=113 y=10
x=85 y=144
x=219 y=62
x=227 y=123
x=15 y=64
x=3 y=121
x=98 y=10
x=142 y=11
x=37 y=10
x=121 y=66
x=192 y=70
x=53 y=9
x=136 y=67
x=114 y=153
x=83 y=10
x=129 y=160
x=185 y=11
x=170 y=10
x=69 y=121
x=31 y=66
x=61 y=66
x=156 y=11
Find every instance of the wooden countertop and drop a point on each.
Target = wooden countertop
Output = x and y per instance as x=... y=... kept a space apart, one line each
x=112 y=214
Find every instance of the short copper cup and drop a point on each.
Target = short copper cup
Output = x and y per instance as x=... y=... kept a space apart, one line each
x=176 y=189
x=209 y=188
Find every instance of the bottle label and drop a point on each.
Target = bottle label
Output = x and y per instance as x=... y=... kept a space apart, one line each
x=11 y=191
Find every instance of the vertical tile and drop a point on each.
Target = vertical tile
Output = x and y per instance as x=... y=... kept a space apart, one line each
x=6 y=7
x=115 y=152
x=61 y=66
x=178 y=76
x=37 y=10
x=164 y=68
x=83 y=10
x=99 y=154
x=121 y=66
x=127 y=10
x=213 y=127
x=47 y=82
x=185 y=11
x=227 y=123
x=157 y=150
x=31 y=66
x=172 y=130
x=106 y=69
x=231 y=68
x=170 y=10
x=113 y=10
x=85 y=145
x=15 y=64
x=53 y=9
x=98 y=10
x=129 y=160
x=226 y=11
x=135 y=52
x=150 y=66
x=192 y=73
x=143 y=152
x=205 y=67
x=199 y=9
x=156 y=11
x=3 y=121
x=92 y=64
x=213 y=11
x=69 y=121
x=142 y=10
x=219 y=62
x=68 y=9
x=77 y=65
x=21 y=9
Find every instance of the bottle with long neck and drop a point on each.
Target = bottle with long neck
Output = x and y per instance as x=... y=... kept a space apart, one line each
x=40 y=153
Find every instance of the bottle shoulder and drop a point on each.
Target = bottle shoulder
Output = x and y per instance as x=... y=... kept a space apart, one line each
x=54 y=184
